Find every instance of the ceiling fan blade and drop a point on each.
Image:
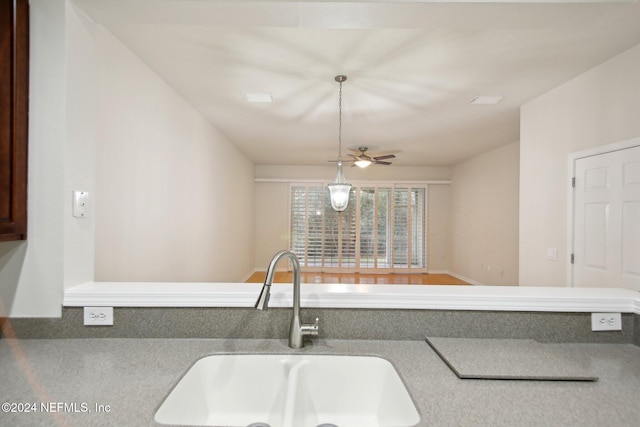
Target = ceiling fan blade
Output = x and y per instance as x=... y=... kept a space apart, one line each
x=381 y=163
x=387 y=156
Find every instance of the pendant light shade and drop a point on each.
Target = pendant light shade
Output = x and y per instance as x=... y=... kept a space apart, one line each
x=339 y=189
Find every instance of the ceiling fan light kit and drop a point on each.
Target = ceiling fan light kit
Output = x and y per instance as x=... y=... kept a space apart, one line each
x=362 y=163
x=362 y=160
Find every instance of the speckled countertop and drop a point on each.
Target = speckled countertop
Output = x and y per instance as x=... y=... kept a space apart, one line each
x=122 y=382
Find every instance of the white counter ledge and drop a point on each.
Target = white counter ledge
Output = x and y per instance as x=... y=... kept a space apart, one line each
x=487 y=298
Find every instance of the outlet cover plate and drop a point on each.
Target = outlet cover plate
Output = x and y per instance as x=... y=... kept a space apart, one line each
x=606 y=321
x=98 y=316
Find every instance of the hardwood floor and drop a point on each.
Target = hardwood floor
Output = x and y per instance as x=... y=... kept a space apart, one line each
x=361 y=278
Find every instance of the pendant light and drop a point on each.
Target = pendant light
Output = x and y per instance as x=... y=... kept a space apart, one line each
x=339 y=189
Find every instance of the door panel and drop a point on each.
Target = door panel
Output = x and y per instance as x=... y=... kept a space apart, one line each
x=607 y=220
x=631 y=240
x=595 y=234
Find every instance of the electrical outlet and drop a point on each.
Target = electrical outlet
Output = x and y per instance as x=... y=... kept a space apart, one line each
x=98 y=316
x=606 y=321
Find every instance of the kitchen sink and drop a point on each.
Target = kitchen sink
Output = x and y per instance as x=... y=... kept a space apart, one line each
x=278 y=390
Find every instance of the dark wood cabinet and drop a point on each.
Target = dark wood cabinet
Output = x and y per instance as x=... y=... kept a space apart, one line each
x=14 y=110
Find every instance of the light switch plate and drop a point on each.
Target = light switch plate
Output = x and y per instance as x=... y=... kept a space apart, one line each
x=80 y=204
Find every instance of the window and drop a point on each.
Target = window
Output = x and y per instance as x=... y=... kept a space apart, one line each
x=384 y=228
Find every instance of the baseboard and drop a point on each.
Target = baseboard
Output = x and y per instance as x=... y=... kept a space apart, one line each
x=466 y=279
x=246 y=277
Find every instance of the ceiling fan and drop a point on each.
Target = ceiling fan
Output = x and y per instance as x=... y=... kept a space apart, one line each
x=363 y=160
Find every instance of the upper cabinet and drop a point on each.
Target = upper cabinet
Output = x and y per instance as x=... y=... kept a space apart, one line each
x=14 y=109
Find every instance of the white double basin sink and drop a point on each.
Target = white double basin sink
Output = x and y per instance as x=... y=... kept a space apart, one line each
x=280 y=390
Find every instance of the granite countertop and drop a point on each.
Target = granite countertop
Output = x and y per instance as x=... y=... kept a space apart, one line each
x=123 y=381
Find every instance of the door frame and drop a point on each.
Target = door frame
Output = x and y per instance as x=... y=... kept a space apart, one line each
x=573 y=158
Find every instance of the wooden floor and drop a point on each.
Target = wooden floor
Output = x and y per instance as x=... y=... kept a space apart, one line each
x=360 y=278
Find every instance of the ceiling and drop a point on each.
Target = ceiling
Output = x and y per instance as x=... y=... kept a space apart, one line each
x=412 y=66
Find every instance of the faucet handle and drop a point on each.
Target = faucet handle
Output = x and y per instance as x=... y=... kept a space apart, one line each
x=311 y=329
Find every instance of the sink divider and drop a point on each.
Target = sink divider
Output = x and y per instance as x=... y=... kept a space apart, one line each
x=288 y=417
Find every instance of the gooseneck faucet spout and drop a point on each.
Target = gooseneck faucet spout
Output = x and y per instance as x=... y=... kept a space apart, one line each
x=298 y=330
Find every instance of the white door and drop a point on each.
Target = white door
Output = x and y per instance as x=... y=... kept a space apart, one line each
x=607 y=220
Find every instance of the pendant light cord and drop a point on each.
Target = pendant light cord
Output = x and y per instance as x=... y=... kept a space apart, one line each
x=340 y=79
x=340 y=123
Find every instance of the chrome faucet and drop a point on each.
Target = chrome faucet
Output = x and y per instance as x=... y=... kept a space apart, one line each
x=298 y=330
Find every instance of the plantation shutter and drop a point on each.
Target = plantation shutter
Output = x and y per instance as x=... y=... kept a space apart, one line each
x=384 y=228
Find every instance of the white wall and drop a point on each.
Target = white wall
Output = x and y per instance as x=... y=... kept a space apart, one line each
x=374 y=173
x=31 y=272
x=597 y=108
x=271 y=221
x=174 y=198
x=79 y=233
x=484 y=208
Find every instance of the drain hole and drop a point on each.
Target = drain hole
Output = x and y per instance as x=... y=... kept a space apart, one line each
x=327 y=425
x=258 y=425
